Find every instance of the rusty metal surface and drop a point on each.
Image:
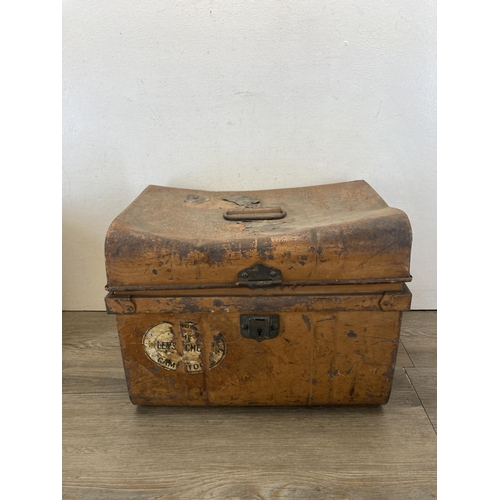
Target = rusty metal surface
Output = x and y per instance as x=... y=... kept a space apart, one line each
x=388 y=301
x=283 y=289
x=171 y=237
x=287 y=284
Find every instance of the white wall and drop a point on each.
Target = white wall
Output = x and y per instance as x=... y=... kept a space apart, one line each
x=244 y=95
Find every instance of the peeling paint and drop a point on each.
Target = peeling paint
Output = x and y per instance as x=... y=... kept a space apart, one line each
x=194 y=198
x=242 y=200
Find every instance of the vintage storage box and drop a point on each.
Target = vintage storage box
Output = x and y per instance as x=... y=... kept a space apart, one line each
x=278 y=297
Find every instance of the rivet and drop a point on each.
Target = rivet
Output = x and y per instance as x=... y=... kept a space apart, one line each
x=244 y=326
x=273 y=273
x=386 y=303
x=274 y=326
x=244 y=275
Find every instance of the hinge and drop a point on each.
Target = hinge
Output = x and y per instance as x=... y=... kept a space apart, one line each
x=259 y=276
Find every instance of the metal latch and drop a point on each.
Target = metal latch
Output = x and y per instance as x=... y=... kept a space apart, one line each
x=259 y=327
x=259 y=275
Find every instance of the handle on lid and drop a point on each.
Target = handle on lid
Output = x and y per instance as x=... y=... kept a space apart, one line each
x=252 y=213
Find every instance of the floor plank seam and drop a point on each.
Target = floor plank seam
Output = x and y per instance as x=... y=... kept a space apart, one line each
x=418 y=396
x=65 y=393
x=408 y=354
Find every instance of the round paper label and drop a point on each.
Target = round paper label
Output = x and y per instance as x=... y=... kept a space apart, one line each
x=169 y=349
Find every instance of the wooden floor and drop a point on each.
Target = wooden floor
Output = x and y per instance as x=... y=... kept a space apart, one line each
x=114 y=450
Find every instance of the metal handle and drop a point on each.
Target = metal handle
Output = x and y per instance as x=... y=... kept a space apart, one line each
x=251 y=213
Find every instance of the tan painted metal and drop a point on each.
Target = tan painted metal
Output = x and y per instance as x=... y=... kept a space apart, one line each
x=172 y=263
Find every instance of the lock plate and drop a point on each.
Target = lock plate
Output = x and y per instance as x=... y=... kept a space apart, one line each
x=259 y=327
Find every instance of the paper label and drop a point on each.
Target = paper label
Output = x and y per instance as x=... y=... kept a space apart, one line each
x=170 y=349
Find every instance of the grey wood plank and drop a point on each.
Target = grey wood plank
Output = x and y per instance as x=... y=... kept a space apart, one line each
x=248 y=486
x=419 y=337
x=79 y=326
x=112 y=449
x=424 y=381
x=91 y=354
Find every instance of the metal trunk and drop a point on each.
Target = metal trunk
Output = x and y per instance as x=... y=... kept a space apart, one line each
x=279 y=297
